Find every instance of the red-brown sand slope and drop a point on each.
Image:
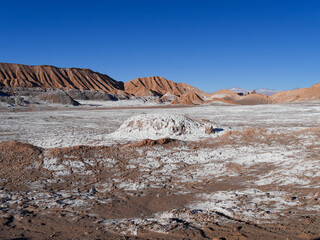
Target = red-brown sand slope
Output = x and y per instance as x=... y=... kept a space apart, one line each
x=18 y=75
x=302 y=94
x=148 y=86
x=254 y=99
x=225 y=94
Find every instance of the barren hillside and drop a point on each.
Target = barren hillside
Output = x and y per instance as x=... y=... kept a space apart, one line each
x=301 y=94
x=44 y=76
x=150 y=86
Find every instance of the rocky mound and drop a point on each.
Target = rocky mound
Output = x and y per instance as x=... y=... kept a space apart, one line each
x=302 y=94
x=155 y=126
x=158 y=86
x=18 y=75
x=57 y=96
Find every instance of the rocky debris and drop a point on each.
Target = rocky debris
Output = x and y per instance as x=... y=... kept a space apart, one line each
x=77 y=94
x=150 y=142
x=90 y=95
x=209 y=130
x=17 y=96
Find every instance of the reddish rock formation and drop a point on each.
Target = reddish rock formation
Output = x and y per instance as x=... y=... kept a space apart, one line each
x=18 y=75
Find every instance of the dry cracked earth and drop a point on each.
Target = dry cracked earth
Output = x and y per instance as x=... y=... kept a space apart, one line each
x=64 y=176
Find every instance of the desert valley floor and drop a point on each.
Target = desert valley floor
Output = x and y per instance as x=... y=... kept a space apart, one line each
x=219 y=172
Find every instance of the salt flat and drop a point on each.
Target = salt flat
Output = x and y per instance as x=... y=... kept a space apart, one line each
x=260 y=174
x=63 y=128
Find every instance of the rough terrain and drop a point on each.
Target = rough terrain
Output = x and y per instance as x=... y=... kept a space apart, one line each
x=204 y=172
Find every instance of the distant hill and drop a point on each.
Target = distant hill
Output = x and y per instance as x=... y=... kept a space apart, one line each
x=44 y=76
x=301 y=94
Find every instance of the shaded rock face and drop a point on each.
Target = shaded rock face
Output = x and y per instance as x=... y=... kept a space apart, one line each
x=18 y=75
x=102 y=96
x=24 y=96
x=9 y=97
x=21 y=91
x=57 y=96
x=4 y=93
x=77 y=94
x=91 y=95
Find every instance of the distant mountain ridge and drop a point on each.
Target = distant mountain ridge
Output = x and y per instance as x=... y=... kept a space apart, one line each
x=264 y=91
x=86 y=84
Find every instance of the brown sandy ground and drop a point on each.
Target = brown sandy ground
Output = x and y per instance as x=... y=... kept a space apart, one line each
x=86 y=193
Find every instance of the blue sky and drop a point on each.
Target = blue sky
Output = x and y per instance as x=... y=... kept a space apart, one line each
x=208 y=44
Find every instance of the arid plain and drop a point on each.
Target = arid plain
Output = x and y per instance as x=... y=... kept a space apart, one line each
x=158 y=165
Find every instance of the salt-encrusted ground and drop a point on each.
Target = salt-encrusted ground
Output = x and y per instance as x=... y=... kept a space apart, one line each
x=258 y=178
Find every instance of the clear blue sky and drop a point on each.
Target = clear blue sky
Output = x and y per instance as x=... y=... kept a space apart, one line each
x=209 y=44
